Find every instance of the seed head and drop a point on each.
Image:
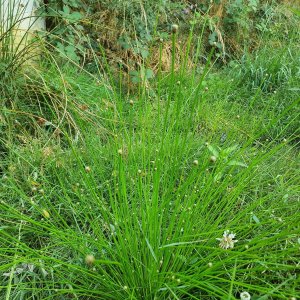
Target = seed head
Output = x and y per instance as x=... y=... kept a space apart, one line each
x=90 y=259
x=131 y=102
x=174 y=28
x=195 y=162
x=213 y=159
x=245 y=296
x=87 y=169
x=120 y=151
x=210 y=264
x=46 y=214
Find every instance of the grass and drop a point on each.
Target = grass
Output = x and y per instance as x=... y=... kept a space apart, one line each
x=129 y=200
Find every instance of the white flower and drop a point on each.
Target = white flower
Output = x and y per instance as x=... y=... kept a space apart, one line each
x=227 y=241
x=245 y=296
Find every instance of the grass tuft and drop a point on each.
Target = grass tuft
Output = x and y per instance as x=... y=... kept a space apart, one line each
x=186 y=189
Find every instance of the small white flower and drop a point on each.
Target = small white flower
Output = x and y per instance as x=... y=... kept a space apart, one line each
x=227 y=241
x=245 y=296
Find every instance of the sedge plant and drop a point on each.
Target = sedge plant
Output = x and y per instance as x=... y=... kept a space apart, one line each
x=156 y=203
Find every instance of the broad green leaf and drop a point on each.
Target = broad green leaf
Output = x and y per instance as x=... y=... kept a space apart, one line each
x=144 y=53
x=230 y=149
x=66 y=10
x=75 y=16
x=213 y=150
x=149 y=73
x=135 y=79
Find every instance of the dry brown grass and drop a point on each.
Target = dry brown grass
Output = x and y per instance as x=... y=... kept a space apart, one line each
x=108 y=26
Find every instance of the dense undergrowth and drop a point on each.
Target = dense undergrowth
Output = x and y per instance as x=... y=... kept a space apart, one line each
x=115 y=193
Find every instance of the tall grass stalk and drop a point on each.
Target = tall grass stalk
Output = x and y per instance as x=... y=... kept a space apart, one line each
x=16 y=42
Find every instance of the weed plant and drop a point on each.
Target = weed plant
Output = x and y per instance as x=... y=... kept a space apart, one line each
x=170 y=193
